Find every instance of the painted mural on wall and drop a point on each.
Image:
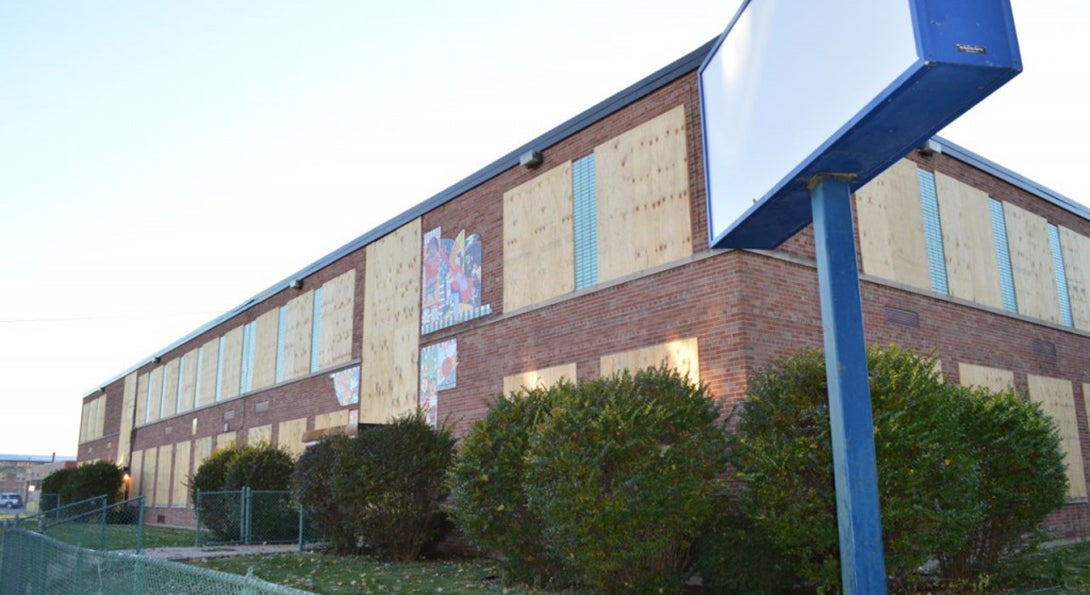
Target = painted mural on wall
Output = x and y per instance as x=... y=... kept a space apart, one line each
x=346 y=385
x=452 y=280
x=438 y=371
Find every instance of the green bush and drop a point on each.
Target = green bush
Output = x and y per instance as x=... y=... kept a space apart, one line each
x=1023 y=479
x=219 y=517
x=390 y=482
x=52 y=486
x=946 y=479
x=313 y=489
x=488 y=478
x=211 y=476
x=261 y=466
x=736 y=558
x=100 y=478
x=623 y=476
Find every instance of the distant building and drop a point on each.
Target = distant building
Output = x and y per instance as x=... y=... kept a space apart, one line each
x=16 y=471
x=585 y=252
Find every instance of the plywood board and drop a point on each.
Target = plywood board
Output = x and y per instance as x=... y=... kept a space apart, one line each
x=1031 y=260
x=289 y=435
x=170 y=389
x=993 y=379
x=155 y=394
x=259 y=434
x=231 y=375
x=641 y=184
x=162 y=475
x=1057 y=399
x=128 y=408
x=202 y=449
x=331 y=420
x=182 y=471
x=682 y=355
x=972 y=271
x=141 y=400
x=1076 y=252
x=297 y=336
x=188 y=381
x=136 y=472
x=538 y=239
x=391 y=325
x=266 y=330
x=335 y=333
x=206 y=393
x=100 y=417
x=226 y=440
x=891 y=236
x=544 y=377
x=83 y=422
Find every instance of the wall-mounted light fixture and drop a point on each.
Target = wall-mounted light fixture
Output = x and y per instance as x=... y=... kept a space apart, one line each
x=296 y=284
x=531 y=159
x=156 y=359
x=929 y=148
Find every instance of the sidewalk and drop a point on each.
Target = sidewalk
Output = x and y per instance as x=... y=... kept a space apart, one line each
x=179 y=554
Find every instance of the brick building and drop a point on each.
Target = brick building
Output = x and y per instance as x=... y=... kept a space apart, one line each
x=594 y=260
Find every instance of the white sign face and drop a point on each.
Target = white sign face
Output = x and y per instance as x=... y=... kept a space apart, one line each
x=788 y=75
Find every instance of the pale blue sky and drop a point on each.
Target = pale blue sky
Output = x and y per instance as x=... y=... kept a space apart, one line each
x=160 y=163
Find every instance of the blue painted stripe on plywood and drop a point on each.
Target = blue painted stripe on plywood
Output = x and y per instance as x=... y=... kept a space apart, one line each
x=932 y=227
x=1061 y=275
x=1003 y=257
x=586 y=223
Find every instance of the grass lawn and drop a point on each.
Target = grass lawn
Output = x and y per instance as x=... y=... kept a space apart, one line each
x=119 y=537
x=329 y=574
x=1055 y=571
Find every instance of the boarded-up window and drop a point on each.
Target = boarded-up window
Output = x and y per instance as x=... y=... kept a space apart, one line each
x=128 y=406
x=162 y=475
x=335 y=331
x=391 y=326
x=1057 y=399
x=182 y=457
x=642 y=194
x=993 y=379
x=289 y=435
x=968 y=242
x=265 y=338
x=231 y=364
x=1076 y=254
x=682 y=355
x=891 y=231
x=1031 y=260
x=259 y=434
x=544 y=377
x=296 y=321
x=538 y=239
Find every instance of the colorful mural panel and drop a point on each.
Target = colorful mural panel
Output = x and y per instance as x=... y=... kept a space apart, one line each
x=452 y=280
x=438 y=371
x=346 y=384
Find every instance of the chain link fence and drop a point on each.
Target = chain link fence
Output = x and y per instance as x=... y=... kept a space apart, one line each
x=250 y=516
x=36 y=564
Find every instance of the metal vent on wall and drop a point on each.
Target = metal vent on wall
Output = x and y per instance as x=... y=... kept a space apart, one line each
x=1044 y=348
x=905 y=318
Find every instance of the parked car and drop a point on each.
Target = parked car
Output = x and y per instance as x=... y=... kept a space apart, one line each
x=11 y=500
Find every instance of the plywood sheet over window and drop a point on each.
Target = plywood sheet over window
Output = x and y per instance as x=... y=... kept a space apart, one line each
x=182 y=458
x=1031 y=261
x=84 y=422
x=642 y=190
x=391 y=325
x=155 y=391
x=141 y=400
x=333 y=419
x=1057 y=399
x=259 y=434
x=297 y=336
x=188 y=381
x=682 y=355
x=891 y=234
x=335 y=339
x=266 y=329
x=968 y=242
x=1076 y=253
x=226 y=440
x=162 y=475
x=128 y=406
x=210 y=353
x=136 y=472
x=202 y=449
x=289 y=435
x=993 y=379
x=231 y=375
x=170 y=389
x=544 y=377
x=538 y=239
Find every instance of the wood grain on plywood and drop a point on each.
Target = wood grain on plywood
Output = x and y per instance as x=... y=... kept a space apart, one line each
x=544 y=377
x=891 y=236
x=993 y=379
x=1031 y=261
x=682 y=355
x=538 y=239
x=971 y=268
x=335 y=338
x=1057 y=399
x=1076 y=253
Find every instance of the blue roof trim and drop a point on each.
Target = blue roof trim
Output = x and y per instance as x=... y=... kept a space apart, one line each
x=601 y=110
x=990 y=167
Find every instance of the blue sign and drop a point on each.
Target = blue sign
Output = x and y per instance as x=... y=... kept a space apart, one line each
x=796 y=89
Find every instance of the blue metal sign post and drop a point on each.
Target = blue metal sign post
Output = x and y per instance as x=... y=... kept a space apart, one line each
x=862 y=565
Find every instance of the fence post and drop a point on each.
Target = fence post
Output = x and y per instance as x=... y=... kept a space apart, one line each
x=76 y=579
x=197 y=537
x=301 y=528
x=140 y=526
x=42 y=565
x=247 y=501
x=102 y=526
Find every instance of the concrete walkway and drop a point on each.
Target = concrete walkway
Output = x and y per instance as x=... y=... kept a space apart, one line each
x=179 y=554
